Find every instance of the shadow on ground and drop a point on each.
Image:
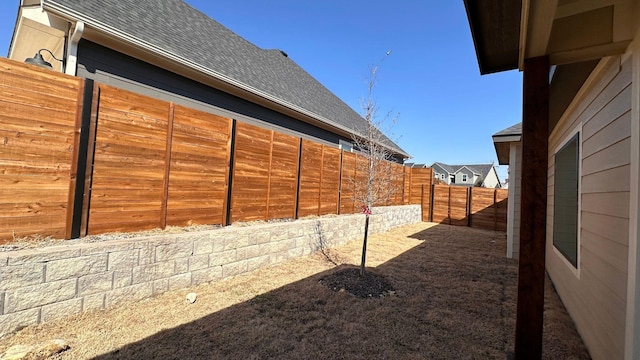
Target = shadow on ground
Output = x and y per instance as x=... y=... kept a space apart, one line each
x=455 y=299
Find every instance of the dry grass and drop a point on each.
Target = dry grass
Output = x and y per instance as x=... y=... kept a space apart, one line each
x=455 y=299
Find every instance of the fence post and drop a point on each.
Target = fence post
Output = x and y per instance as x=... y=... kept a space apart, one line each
x=495 y=210
x=422 y=202
x=82 y=165
x=74 y=196
x=469 y=200
x=167 y=167
x=340 y=182
x=266 y=213
x=298 y=179
x=433 y=190
x=232 y=160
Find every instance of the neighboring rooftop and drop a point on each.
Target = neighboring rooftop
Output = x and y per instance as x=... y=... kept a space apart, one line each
x=481 y=169
x=175 y=30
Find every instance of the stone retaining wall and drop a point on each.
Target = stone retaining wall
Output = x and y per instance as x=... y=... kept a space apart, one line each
x=38 y=285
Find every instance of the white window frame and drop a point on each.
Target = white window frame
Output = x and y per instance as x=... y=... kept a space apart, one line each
x=442 y=176
x=465 y=178
x=575 y=270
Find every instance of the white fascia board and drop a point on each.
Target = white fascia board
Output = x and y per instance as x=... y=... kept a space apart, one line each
x=127 y=38
x=509 y=138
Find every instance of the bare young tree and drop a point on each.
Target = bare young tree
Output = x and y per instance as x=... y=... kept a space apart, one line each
x=375 y=181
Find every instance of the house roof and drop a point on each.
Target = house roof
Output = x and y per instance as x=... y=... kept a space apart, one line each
x=502 y=141
x=481 y=169
x=175 y=30
x=506 y=32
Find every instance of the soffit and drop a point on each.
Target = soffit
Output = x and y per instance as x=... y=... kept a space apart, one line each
x=505 y=32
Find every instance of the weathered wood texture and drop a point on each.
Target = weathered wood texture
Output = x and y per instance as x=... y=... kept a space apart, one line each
x=151 y=163
x=129 y=163
x=347 y=186
x=284 y=176
x=441 y=204
x=250 y=173
x=483 y=211
x=198 y=177
x=319 y=179
x=265 y=174
x=476 y=207
x=459 y=205
x=38 y=126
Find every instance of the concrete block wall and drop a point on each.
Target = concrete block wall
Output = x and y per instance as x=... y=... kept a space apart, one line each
x=42 y=284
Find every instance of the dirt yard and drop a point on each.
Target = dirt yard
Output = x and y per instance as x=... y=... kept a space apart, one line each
x=454 y=298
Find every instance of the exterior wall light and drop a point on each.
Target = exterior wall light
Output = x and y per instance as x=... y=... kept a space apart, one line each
x=39 y=61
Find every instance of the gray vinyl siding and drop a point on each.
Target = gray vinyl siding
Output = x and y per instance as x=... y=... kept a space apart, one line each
x=595 y=293
x=119 y=70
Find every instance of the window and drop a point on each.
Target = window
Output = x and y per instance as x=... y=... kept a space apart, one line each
x=565 y=200
x=464 y=177
x=345 y=145
x=442 y=176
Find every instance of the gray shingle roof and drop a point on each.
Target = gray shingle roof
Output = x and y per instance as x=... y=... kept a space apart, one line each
x=510 y=131
x=186 y=33
x=482 y=169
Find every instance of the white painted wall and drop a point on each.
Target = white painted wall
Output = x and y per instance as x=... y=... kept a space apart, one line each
x=513 y=215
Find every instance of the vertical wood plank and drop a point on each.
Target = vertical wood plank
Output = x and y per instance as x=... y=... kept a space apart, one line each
x=298 y=179
x=167 y=167
x=91 y=147
x=73 y=174
x=266 y=214
x=340 y=182
x=320 y=182
x=531 y=271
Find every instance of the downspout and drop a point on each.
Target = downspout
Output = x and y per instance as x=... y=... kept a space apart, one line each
x=72 y=49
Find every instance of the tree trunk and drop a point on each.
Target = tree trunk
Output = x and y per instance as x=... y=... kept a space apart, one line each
x=364 y=245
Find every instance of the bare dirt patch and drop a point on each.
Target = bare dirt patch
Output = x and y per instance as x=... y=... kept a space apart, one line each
x=455 y=295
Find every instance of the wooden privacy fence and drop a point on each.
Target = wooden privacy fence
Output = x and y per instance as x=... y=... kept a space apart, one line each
x=78 y=158
x=468 y=206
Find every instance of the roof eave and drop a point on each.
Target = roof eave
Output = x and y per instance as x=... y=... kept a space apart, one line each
x=145 y=46
x=498 y=20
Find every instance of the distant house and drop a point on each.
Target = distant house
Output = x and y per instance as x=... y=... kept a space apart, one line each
x=169 y=50
x=481 y=175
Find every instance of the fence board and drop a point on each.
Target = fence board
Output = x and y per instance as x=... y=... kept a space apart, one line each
x=250 y=173
x=459 y=201
x=198 y=174
x=347 y=189
x=501 y=209
x=329 y=186
x=38 y=113
x=284 y=176
x=482 y=208
x=310 y=174
x=441 y=204
x=129 y=161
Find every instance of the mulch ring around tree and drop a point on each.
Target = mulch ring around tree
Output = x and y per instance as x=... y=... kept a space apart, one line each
x=371 y=285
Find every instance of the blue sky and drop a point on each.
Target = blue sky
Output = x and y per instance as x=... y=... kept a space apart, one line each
x=447 y=111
